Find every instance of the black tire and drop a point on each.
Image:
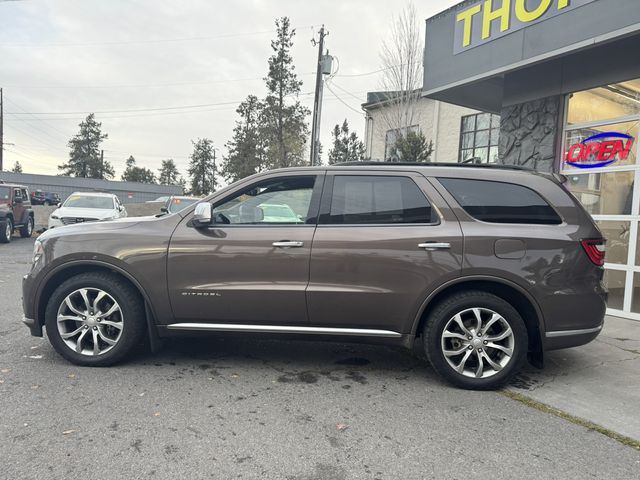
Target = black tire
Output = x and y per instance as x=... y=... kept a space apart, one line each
x=440 y=316
x=27 y=229
x=133 y=314
x=6 y=230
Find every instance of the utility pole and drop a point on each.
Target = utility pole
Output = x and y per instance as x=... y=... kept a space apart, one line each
x=101 y=164
x=1 y=130
x=317 y=102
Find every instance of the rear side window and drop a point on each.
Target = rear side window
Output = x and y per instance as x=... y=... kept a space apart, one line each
x=377 y=200
x=498 y=202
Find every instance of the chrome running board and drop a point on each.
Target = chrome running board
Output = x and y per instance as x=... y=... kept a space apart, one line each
x=231 y=327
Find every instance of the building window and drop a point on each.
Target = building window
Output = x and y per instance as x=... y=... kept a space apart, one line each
x=392 y=137
x=479 y=135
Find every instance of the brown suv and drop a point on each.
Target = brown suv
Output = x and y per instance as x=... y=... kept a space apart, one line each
x=15 y=211
x=484 y=265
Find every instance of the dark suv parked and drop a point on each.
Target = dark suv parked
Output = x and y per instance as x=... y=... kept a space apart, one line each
x=38 y=197
x=484 y=265
x=15 y=211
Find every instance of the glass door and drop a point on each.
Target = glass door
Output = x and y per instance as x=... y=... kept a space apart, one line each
x=602 y=129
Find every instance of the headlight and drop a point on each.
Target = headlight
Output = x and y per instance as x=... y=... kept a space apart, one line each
x=55 y=217
x=38 y=251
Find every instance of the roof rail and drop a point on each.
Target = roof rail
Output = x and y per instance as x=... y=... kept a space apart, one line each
x=373 y=163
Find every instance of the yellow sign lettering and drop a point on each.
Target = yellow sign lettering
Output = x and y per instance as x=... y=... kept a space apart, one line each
x=526 y=16
x=490 y=15
x=563 y=4
x=467 y=18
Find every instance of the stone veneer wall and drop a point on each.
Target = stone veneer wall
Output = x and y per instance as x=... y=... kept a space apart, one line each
x=529 y=133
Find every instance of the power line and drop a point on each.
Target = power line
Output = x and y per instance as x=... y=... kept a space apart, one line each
x=140 y=41
x=149 y=85
x=342 y=101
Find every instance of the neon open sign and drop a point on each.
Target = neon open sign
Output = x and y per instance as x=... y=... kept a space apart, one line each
x=600 y=150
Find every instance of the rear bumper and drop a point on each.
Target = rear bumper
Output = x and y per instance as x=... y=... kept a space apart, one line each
x=556 y=340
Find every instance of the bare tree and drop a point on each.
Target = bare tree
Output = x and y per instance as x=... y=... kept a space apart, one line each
x=401 y=57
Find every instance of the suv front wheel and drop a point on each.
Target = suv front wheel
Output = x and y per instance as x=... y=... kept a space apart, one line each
x=95 y=319
x=475 y=340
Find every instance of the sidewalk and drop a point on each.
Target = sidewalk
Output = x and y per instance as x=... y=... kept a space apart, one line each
x=599 y=382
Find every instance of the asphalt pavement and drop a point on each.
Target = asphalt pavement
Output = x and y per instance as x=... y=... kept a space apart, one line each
x=237 y=407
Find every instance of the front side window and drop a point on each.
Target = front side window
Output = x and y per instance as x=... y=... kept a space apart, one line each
x=280 y=201
x=378 y=200
x=479 y=135
x=498 y=202
x=17 y=193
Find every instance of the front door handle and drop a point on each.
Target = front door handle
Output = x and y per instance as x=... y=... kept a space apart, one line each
x=435 y=246
x=288 y=244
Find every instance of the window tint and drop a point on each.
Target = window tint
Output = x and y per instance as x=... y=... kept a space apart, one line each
x=276 y=201
x=498 y=202
x=378 y=200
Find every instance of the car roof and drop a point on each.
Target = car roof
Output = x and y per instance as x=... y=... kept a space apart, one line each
x=181 y=197
x=94 y=194
x=12 y=185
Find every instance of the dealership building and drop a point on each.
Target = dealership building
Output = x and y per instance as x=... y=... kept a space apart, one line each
x=563 y=79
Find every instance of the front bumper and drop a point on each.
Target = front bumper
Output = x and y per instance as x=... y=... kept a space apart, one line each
x=28 y=306
x=34 y=327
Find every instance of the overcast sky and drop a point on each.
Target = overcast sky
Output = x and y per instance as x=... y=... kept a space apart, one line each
x=159 y=73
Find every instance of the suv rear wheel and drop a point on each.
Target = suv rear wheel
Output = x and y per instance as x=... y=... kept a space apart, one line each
x=27 y=229
x=6 y=230
x=475 y=340
x=95 y=319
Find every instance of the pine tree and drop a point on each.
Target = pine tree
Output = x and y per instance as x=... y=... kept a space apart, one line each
x=346 y=146
x=169 y=174
x=246 y=152
x=134 y=173
x=84 y=156
x=412 y=147
x=202 y=168
x=17 y=167
x=284 y=128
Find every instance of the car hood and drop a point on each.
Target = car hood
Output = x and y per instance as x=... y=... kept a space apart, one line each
x=95 y=227
x=98 y=213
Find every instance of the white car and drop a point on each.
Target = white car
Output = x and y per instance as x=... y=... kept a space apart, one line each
x=81 y=207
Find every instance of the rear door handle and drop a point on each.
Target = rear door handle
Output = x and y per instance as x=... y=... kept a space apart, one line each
x=288 y=244
x=435 y=246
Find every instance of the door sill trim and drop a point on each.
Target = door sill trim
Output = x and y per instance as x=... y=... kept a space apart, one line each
x=232 y=327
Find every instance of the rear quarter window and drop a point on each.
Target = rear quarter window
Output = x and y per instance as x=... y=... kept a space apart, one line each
x=500 y=202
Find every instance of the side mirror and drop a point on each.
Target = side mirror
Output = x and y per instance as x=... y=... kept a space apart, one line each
x=164 y=209
x=59 y=204
x=202 y=215
x=121 y=208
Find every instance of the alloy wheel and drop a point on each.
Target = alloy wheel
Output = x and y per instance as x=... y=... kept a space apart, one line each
x=477 y=342
x=90 y=321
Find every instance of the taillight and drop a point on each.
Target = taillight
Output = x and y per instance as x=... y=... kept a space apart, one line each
x=595 y=250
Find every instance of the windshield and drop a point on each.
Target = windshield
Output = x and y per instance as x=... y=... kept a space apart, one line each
x=81 y=201
x=178 y=204
x=5 y=192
